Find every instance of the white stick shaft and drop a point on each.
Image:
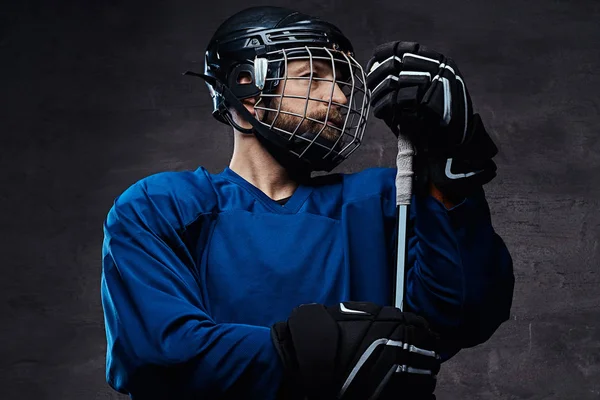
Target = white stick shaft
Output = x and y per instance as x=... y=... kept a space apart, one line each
x=404 y=179
x=400 y=265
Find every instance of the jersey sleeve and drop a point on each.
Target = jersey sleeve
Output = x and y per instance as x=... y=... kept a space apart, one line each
x=161 y=341
x=461 y=277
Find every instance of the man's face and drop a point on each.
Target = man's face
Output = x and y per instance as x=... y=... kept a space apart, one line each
x=320 y=91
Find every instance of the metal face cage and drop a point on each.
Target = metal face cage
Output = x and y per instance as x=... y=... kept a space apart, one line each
x=321 y=112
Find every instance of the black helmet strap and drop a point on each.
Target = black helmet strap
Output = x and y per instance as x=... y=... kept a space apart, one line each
x=228 y=95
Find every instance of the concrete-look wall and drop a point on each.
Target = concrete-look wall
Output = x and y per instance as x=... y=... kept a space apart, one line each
x=92 y=100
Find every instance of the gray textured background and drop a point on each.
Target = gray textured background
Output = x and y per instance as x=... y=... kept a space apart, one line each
x=93 y=100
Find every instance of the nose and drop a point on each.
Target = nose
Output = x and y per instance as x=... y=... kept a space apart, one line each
x=338 y=95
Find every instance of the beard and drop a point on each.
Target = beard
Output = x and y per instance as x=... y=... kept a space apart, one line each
x=289 y=123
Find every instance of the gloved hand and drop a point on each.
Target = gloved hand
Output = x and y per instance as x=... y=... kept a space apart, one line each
x=356 y=350
x=422 y=93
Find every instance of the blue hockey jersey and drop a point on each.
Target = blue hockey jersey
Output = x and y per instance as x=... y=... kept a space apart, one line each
x=198 y=266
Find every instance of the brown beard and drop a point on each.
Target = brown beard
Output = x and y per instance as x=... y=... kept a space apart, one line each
x=289 y=123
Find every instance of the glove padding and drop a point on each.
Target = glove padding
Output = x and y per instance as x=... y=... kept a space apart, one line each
x=356 y=350
x=422 y=93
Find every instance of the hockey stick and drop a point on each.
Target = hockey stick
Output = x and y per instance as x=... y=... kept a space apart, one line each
x=404 y=181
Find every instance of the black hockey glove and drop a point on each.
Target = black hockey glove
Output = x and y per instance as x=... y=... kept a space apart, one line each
x=356 y=350
x=422 y=93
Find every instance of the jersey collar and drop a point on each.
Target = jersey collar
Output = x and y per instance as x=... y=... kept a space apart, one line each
x=291 y=206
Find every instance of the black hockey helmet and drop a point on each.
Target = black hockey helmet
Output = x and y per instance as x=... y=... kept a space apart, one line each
x=258 y=43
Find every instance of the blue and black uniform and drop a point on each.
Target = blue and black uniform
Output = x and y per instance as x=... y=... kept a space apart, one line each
x=197 y=267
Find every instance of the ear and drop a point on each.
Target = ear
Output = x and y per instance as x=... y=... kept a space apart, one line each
x=244 y=78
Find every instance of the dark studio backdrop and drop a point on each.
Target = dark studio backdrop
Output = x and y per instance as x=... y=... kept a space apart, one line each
x=93 y=100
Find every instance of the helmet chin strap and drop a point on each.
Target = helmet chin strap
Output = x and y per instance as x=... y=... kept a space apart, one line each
x=228 y=117
x=225 y=113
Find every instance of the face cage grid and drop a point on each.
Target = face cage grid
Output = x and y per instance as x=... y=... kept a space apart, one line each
x=356 y=73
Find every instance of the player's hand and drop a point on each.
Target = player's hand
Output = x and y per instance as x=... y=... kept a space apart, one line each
x=356 y=350
x=422 y=93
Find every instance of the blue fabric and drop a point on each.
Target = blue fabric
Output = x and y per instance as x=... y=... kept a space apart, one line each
x=198 y=266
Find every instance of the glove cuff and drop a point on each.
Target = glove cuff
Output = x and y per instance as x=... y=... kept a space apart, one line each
x=460 y=170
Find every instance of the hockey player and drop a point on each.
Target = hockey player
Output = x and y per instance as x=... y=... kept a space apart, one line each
x=262 y=282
